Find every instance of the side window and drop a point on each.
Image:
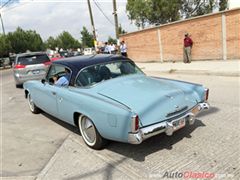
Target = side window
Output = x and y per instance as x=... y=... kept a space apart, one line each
x=57 y=71
x=88 y=76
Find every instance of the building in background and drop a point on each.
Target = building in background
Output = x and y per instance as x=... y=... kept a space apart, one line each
x=215 y=36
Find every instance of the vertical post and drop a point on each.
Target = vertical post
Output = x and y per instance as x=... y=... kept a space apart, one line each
x=115 y=18
x=92 y=23
x=2 y=24
x=160 y=45
x=224 y=37
x=116 y=24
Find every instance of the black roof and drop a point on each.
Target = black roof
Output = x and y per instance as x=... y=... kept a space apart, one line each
x=78 y=62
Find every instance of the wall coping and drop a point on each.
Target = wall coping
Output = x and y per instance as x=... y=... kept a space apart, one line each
x=180 y=21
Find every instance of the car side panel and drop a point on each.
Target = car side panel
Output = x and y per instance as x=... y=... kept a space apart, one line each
x=111 y=121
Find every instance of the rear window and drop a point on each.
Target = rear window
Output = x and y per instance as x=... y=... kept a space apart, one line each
x=33 y=59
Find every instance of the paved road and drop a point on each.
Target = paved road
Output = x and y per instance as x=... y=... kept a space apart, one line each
x=211 y=145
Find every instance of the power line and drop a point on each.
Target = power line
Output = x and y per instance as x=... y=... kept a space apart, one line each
x=100 y=9
x=13 y=7
x=6 y=3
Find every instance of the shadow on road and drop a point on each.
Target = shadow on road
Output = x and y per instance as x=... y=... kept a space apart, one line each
x=149 y=146
x=156 y=143
x=212 y=110
x=62 y=123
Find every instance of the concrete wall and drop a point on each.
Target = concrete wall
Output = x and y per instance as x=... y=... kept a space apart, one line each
x=215 y=36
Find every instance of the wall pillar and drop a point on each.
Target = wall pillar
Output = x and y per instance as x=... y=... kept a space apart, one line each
x=224 y=38
x=160 y=45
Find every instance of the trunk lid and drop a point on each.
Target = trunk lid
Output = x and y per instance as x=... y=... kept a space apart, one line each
x=153 y=100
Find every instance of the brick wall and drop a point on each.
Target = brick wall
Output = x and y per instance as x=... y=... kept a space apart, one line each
x=165 y=42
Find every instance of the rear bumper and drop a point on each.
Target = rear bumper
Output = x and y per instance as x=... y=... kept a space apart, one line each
x=165 y=126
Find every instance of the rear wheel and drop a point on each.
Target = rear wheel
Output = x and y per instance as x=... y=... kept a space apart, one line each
x=90 y=134
x=33 y=108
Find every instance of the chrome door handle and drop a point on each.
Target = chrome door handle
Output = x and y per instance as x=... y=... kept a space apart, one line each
x=60 y=99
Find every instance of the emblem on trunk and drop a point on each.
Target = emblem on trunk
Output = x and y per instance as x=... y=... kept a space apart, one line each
x=170 y=97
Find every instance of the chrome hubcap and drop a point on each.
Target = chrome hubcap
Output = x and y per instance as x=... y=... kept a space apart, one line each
x=88 y=130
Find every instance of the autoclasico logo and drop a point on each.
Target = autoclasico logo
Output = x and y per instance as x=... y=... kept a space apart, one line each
x=189 y=174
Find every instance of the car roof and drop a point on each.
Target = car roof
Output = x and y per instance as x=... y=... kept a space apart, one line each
x=30 y=53
x=79 y=62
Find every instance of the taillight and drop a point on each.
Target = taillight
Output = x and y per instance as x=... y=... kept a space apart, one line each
x=47 y=63
x=206 y=94
x=19 y=66
x=135 y=123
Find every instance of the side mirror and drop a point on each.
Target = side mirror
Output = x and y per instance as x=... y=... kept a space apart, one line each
x=43 y=81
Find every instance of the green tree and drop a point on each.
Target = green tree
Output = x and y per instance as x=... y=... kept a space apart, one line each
x=21 y=41
x=153 y=11
x=67 y=41
x=87 y=38
x=121 y=30
x=5 y=46
x=51 y=43
x=144 y=12
x=138 y=11
x=163 y=11
x=223 y=5
x=111 y=40
x=191 y=8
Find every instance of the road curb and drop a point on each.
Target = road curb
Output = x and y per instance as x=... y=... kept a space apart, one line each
x=50 y=163
x=126 y=171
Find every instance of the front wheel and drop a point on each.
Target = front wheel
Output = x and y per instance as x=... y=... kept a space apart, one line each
x=33 y=108
x=90 y=134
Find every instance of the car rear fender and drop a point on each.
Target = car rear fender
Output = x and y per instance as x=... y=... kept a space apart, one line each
x=112 y=120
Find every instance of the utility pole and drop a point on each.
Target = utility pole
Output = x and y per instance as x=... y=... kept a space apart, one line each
x=116 y=23
x=115 y=18
x=2 y=24
x=92 y=23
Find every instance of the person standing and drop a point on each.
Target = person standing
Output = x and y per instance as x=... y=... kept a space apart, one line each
x=106 y=48
x=188 y=43
x=123 y=49
x=112 y=48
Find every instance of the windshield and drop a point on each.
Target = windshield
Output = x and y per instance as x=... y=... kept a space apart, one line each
x=102 y=72
x=33 y=59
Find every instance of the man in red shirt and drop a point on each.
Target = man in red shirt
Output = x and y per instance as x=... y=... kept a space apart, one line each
x=188 y=43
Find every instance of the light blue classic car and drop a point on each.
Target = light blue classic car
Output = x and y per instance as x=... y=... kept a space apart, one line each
x=109 y=98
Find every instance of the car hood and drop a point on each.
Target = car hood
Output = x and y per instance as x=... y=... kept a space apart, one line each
x=153 y=100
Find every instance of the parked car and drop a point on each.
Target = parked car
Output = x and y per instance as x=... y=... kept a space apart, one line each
x=5 y=62
x=89 y=51
x=109 y=98
x=30 y=66
x=12 y=58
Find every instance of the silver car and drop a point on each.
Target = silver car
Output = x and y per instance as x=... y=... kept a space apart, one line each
x=30 y=66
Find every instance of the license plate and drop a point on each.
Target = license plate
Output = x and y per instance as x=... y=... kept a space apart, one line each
x=36 y=71
x=178 y=124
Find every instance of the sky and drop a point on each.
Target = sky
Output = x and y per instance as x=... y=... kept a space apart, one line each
x=51 y=17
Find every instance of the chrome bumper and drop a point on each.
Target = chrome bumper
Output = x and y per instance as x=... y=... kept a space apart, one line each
x=165 y=126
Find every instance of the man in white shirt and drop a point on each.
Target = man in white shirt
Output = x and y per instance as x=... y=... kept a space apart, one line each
x=123 y=49
x=112 y=48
